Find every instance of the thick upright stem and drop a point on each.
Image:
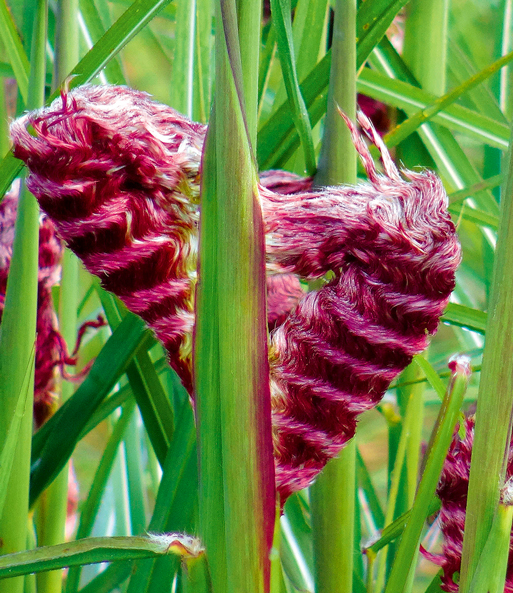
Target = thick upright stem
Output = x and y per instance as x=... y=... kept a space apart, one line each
x=333 y=494
x=53 y=504
x=231 y=368
x=18 y=333
x=493 y=415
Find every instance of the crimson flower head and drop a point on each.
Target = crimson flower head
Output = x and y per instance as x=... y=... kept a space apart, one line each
x=119 y=176
x=393 y=251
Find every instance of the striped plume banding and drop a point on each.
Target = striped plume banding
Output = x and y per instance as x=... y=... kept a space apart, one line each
x=119 y=175
x=392 y=248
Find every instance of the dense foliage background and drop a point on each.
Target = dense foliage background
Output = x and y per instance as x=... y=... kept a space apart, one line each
x=128 y=428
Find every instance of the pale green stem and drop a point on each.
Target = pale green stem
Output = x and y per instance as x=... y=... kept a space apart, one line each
x=506 y=76
x=333 y=494
x=66 y=40
x=337 y=162
x=182 y=92
x=493 y=415
x=231 y=370
x=250 y=18
x=18 y=333
x=395 y=484
x=415 y=435
x=4 y=131
x=332 y=504
x=425 y=43
x=52 y=507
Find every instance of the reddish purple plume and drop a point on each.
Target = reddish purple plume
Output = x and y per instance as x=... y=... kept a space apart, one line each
x=118 y=174
x=393 y=250
x=452 y=491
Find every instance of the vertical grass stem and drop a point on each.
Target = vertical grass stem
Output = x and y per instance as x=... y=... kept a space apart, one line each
x=333 y=494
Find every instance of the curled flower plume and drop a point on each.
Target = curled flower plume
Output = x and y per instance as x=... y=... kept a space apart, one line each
x=392 y=248
x=452 y=491
x=118 y=174
x=284 y=291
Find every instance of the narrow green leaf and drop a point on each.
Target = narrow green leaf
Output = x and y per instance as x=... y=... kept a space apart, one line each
x=281 y=19
x=278 y=127
x=475 y=215
x=436 y=584
x=135 y=18
x=467 y=317
x=91 y=506
x=374 y=18
x=309 y=39
x=410 y=125
x=448 y=417
x=51 y=453
x=176 y=504
x=395 y=529
x=110 y=578
x=153 y=402
x=17 y=57
x=402 y=95
x=296 y=556
x=10 y=167
x=431 y=375
x=195 y=576
x=365 y=483
x=461 y=66
x=96 y=29
x=97 y=549
x=447 y=153
x=9 y=447
x=490 y=183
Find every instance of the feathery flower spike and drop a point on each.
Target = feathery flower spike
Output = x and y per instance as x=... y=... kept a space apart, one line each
x=119 y=174
x=453 y=491
x=393 y=250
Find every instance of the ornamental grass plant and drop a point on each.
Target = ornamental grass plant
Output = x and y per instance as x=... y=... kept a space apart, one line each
x=255 y=316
